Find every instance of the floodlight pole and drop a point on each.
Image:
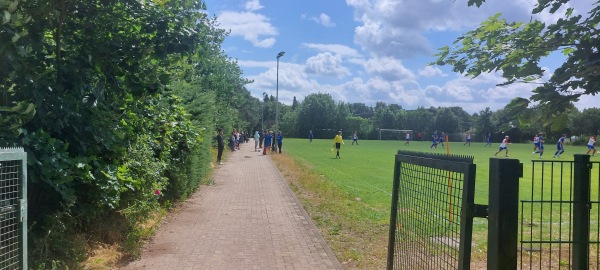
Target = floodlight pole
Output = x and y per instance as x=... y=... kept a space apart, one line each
x=279 y=55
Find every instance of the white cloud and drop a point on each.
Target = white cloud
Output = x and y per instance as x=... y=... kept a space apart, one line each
x=388 y=68
x=431 y=71
x=253 y=5
x=251 y=26
x=326 y=64
x=324 y=20
x=398 y=27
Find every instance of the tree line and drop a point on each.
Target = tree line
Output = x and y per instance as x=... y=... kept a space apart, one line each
x=324 y=116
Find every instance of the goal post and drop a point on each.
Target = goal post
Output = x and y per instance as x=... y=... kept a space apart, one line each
x=399 y=133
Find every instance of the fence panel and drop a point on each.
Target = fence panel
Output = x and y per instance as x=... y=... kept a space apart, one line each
x=557 y=228
x=13 y=209
x=427 y=229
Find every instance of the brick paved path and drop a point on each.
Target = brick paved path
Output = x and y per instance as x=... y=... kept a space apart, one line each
x=249 y=219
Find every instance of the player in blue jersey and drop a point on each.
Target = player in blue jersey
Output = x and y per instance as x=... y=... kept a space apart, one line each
x=434 y=140
x=488 y=140
x=540 y=146
x=560 y=148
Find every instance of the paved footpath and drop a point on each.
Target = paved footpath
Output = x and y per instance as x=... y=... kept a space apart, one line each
x=249 y=219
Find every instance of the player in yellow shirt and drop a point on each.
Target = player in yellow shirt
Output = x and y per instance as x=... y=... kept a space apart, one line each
x=338 y=141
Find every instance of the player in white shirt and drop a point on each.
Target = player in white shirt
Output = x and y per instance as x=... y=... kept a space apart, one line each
x=503 y=146
x=591 y=147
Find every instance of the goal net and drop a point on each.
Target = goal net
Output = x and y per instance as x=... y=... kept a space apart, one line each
x=395 y=134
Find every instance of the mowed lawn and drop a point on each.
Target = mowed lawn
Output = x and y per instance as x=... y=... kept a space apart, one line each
x=365 y=171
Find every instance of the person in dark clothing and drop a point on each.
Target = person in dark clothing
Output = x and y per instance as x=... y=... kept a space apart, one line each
x=261 y=139
x=279 y=141
x=220 y=146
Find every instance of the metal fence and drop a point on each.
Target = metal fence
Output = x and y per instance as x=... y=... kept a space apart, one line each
x=13 y=209
x=427 y=229
x=560 y=208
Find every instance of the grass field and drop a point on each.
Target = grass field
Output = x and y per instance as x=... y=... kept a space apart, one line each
x=363 y=176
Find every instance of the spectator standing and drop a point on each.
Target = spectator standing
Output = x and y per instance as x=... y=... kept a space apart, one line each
x=262 y=138
x=279 y=141
x=256 y=140
x=273 y=141
x=267 y=141
x=220 y=145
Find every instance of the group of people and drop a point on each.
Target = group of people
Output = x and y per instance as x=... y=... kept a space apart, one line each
x=538 y=145
x=270 y=141
x=437 y=139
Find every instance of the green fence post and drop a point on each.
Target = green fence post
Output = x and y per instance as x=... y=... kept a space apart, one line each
x=581 y=212
x=503 y=213
x=393 y=215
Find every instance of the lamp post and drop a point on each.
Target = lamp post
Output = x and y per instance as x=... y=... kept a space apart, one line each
x=279 y=55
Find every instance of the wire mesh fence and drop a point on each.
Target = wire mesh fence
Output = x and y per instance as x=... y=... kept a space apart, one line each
x=428 y=200
x=554 y=213
x=12 y=218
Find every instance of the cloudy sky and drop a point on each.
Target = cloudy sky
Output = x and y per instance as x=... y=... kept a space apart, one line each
x=369 y=50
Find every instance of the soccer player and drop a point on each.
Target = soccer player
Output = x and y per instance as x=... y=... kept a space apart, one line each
x=355 y=138
x=434 y=140
x=540 y=145
x=468 y=139
x=338 y=141
x=560 y=148
x=590 y=146
x=407 y=137
x=536 y=143
x=503 y=146
x=488 y=140
x=310 y=136
x=441 y=139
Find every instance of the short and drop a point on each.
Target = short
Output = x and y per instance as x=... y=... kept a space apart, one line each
x=338 y=145
x=541 y=146
x=502 y=148
x=468 y=140
x=560 y=147
x=591 y=147
x=536 y=144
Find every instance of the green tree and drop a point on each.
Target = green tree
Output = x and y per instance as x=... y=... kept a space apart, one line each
x=446 y=121
x=317 y=113
x=420 y=120
x=585 y=123
x=483 y=123
x=518 y=48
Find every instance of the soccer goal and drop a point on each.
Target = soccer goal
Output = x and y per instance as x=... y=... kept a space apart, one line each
x=395 y=134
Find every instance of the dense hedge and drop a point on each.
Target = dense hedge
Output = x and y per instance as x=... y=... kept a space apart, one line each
x=116 y=103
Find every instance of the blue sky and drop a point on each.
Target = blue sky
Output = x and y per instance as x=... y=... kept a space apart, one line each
x=369 y=50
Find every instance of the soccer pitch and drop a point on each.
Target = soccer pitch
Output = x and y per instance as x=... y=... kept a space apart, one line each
x=365 y=171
